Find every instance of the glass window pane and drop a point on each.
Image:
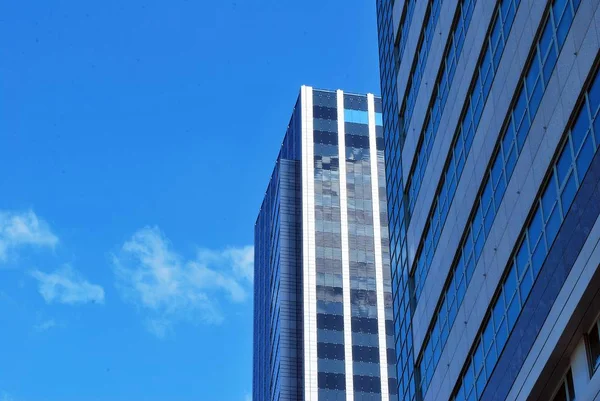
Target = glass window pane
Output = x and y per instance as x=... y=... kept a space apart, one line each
x=568 y=193
x=508 y=15
x=564 y=164
x=570 y=387
x=535 y=98
x=460 y=291
x=478 y=358
x=582 y=122
x=497 y=169
x=563 y=27
x=470 y=267
x=522 y=132
x=594 y=94
x=526 y=284
x=460 y=394
x=519 y=110
x=479 y=245
x=553 y=225
x=498 y=53
x=522 y=258
x=532 y=76
x=489 y=220
x=511 y=160
x=498 y=312
x=491 y=358
x=549 y=63
x=486 y=196
x=513 y=312
x=481 y=382
x=545 y=41
x=495 y=33
x=538 y=257
x=549 y=198
x=558 y=9
x=468 y=244
x=499 y=191
x=468 y=378
x=561 y=395
x=584 y=159
x=501 y=336
x=488 y=336
x=535 y=228
x=597 y=128
x=510 y=284
x=594 y=345
x=508 y=139
x=477 y=221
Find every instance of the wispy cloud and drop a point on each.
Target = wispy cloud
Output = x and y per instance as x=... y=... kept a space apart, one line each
x=67 y=286
x=240 y=260
x=157 y=279
x=18 y=229
x=45 y=325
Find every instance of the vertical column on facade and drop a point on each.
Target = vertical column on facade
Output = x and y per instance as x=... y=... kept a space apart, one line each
x=309 y=280
x=378 y=252
x=345 y=249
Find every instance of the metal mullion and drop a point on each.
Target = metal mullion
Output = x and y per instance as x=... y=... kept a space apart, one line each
x=587 y=105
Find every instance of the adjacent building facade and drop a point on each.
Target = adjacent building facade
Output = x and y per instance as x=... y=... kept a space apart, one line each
x=322 y=293
x=491 y=127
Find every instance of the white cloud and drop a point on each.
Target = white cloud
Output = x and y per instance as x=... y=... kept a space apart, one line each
x=152 y=276
x=45 y=325
x=241 y=260
x=19 y=229
x=67 y=286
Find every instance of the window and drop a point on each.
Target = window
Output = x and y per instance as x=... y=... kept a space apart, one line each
x=566 y=391
x=593 y=341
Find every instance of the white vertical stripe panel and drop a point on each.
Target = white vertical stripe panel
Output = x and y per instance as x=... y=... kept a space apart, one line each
x=311 y=390
x=345 y=248
x=378 y=254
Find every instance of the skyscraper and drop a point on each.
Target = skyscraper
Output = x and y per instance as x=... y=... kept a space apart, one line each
x=491 y=127
x=322 y=293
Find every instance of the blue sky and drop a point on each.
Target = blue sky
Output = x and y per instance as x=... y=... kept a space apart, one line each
x=136 y=142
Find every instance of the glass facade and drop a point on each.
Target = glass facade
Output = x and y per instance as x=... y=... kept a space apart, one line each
x=488 y=202
x=351 y=292
x=417 y=363
x=278 y=364
x=579 y=145
x=391 y=50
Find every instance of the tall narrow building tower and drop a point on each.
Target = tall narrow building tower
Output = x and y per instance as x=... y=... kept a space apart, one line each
x=492 y=130
x=322 y=301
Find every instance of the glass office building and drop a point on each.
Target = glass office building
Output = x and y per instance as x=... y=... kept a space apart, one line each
x=491 y=128
x=322 y=292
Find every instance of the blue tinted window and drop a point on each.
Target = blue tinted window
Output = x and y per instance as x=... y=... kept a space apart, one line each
x=549 y=198
x=553 y=225
x=522 y=259
x=526 y=283
x=594 y=95
x=580 y=129
x=564 y=164
x=549 y=63
x=568 y=193
x=535 y=229
x=564 y=25
x=356 y=116
x=584 y=159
